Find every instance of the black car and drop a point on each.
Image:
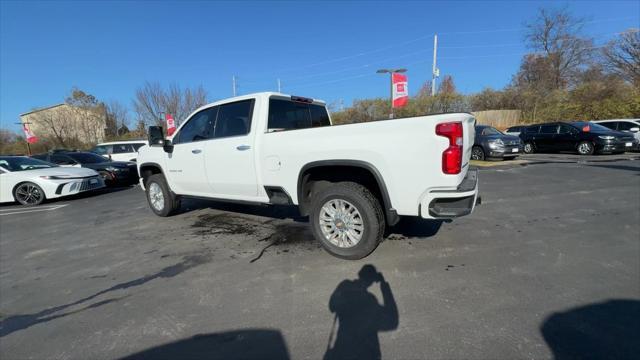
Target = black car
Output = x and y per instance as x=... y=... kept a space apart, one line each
x=584 y=137
x=491 y=143
x=113 y=172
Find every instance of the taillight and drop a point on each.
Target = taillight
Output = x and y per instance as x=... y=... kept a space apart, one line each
x=452 y=156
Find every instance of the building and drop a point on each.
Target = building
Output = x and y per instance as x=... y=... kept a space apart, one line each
x=66 y=124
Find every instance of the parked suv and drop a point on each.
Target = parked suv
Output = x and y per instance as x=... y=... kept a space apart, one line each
x=113 y=172
x=120 y=150
x=584 y=137
x=491 y=143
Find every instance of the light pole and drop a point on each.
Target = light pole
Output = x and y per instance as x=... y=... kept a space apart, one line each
x=391 y=72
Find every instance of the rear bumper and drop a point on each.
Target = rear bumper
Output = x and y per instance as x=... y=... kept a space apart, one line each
x=447 y=204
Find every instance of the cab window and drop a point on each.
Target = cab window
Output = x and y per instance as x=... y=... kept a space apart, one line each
x=199 y=127
x=291 y=115
x=234 y=119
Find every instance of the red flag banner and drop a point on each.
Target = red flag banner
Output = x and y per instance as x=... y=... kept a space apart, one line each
x=31 y=138
x=171 y=124
x=400 y=90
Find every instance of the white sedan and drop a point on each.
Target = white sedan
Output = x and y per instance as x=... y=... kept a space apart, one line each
x=30 y=181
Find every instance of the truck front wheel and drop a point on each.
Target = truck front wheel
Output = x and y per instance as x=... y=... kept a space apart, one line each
x=347 y=219
x=161 y=200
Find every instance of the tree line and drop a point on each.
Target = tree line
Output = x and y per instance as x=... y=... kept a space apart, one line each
x=565 y=77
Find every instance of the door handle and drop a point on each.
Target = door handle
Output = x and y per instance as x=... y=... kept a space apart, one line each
x=243 y=147
x=196 y=151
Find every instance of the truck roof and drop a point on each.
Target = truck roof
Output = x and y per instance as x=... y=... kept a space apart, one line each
x=264 y=94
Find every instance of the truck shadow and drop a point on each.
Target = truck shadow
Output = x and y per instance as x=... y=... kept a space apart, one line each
x=240 y=344
x=407 y=227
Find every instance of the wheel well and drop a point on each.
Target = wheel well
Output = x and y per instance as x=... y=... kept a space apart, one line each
x=315 y=177
x=147 y=170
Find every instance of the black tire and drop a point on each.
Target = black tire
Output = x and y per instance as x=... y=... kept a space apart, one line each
x=170 y=202
x=371 y=216
x=28 y=194
x=477 y=153
x=529 y=148
x=585 y=148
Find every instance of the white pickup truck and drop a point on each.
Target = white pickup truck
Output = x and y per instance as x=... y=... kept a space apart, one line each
x=351 y=180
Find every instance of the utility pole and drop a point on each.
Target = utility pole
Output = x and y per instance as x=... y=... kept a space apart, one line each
x=279 y=86
x=435 y=72
x=341 y=105
x=234 y=85
x=391 y=72
x=28 y=145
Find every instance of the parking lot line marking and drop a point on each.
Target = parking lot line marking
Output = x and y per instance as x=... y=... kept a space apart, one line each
x=43 y=208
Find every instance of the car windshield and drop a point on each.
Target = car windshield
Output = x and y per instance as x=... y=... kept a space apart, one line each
x=592 y=126
x=87 y=158
x=490 y=131
x=22 y=163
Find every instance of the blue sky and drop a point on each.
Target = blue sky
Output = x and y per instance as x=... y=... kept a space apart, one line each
x=326 y=50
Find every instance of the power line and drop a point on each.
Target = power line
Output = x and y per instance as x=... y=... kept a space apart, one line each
x=392 y=46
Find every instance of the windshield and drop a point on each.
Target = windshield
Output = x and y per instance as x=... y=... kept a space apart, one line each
x=87 y=158
x=490 y=131
x=22 y=163
x=593 y=126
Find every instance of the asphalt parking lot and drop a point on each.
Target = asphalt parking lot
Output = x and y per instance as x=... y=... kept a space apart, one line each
x=548 y=266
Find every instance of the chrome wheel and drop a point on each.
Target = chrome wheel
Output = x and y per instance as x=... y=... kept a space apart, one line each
x=156 y=197
x=341 y=223
x=528 y=148
x=29 y=194
x=585 y=148
x=477 y=154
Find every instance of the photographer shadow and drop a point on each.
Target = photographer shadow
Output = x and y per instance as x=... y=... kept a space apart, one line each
x=359 y=317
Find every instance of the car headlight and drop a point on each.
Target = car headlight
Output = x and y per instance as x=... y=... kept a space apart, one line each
x=112 y=169
x=496 y=144
x=606 y=137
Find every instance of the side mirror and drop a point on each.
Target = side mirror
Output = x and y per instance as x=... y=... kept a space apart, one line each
x=167 y=146
x=156 y=136
x=634 y=129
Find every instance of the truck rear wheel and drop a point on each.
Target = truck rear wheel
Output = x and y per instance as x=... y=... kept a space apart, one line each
x=161 y=200
x=347 y=220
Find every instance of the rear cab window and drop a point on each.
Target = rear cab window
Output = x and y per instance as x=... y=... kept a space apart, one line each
x=285 y=114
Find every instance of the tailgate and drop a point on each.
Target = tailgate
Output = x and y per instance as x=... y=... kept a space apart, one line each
x=469 y=135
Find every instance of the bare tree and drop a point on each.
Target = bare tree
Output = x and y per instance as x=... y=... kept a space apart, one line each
x=556 y=35
x=88 y=115
x=152 y=100
x=622 y=56
x=117 y=117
